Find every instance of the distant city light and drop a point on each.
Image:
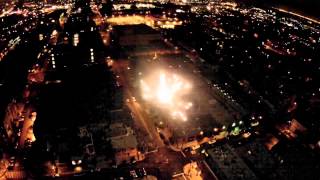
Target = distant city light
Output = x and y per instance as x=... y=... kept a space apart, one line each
x=233 y=124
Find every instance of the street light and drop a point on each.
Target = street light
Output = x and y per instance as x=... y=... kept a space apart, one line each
x=91 y=55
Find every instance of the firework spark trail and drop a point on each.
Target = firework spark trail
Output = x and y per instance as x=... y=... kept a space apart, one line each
x=167 y=91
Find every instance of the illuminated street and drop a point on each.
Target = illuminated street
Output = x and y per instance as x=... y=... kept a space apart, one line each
x=120 y=68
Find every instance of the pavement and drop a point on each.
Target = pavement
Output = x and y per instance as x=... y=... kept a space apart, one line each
x=119 y=68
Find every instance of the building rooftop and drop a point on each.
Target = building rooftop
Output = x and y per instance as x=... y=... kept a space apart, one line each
x=124 y=142
x=258 y=159
x=228 y=165
x=119 y=130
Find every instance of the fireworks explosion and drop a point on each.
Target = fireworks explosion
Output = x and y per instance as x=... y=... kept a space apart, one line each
x=168 y=91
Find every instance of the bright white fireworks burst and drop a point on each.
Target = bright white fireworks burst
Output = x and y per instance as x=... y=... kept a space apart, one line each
x=168 y=91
